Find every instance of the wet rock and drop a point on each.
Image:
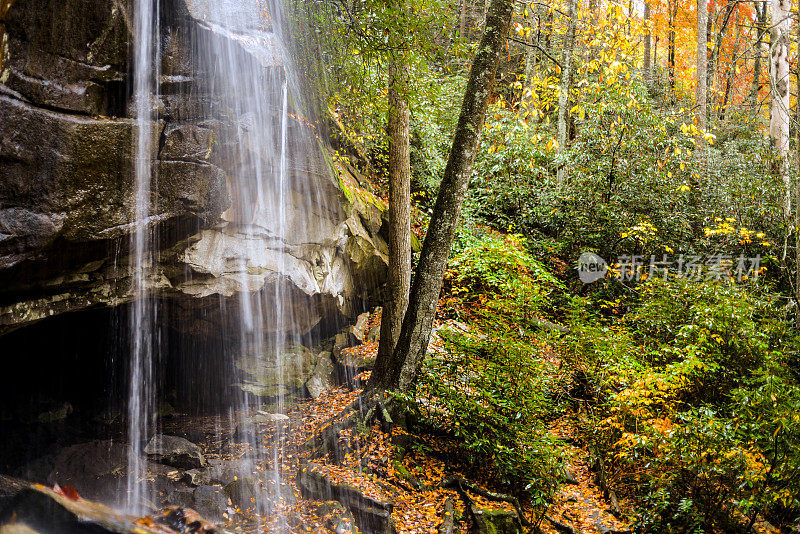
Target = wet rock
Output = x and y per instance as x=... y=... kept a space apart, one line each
x=270 y=376
x=97 y=468
x=222 y=473
x=243 y=492
x=42 y=510
x=359 y=330
x=495 y=521
x=341 y=341
x=66 y=186
x=249 y=426
x=336 y=517
x=210 y=501
x=175 y=451
x=323 y=377
x=371 y=516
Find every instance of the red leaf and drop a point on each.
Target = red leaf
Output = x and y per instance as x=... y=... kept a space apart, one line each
x=67 y=491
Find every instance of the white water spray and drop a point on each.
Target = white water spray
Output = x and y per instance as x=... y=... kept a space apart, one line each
x=141 y=389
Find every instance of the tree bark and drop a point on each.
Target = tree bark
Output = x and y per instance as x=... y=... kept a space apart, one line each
x=415 y=334
x=779 y=83
x=702 y=58
x=399 y=279
x=761 y=20
x=563 y=93
x=647 y=70
x=672 y=7
x=713 y=59
x=797 y=198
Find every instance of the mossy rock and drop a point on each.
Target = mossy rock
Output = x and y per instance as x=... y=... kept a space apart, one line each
x=489 y=521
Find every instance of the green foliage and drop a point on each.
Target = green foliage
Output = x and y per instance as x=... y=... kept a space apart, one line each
x=491 y=395
x=697 y=410
x=482 y=385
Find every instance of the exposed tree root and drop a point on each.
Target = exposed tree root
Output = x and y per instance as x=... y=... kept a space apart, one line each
x=460 y=483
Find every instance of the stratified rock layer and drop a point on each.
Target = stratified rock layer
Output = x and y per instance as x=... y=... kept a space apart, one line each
x=66 y=178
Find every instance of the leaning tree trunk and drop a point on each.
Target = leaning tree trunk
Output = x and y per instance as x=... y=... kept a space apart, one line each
x=399 y=281
x=563 y=94
x=412 y=345
x=779 y=83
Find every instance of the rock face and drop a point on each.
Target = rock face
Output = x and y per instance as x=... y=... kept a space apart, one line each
x=371 y=516
x=32 y=509
x=66 y=179
x=175 y=451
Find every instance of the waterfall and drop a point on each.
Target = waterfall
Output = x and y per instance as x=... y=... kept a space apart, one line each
x=252 y=102
x=141 y=416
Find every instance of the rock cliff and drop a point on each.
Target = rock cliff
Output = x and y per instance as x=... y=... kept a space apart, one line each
x=66 y=178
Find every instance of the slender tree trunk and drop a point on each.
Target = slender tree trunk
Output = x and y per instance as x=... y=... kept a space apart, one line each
x=761 y=16
x=779 y=83
x=655 y=55
x=647 y=71
x=418 y=322
x=797 y=196
x=713 y=59
x=563 y=93
x=399 y=282
x=673 y=11
x=702 y=58
x=462 y=22
x=731 y=71
x=531 y=61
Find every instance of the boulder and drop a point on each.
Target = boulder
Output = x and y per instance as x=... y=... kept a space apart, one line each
x=372 y=516
x=323 y=377
x=337 y=518
x=36 y=509
x=495 y=521
x=210 y=501
x=98 y=469
x=361 y=327
x=243 y=492
x=220 y=472
x=175 y=451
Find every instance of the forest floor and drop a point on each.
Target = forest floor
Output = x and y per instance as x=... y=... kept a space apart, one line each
x=408 y=471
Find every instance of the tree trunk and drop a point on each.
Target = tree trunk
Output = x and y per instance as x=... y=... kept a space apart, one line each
x=647 y=71
x=462 y=21
x=761 y=16
x=415 y=334
x=797 y=199
x=731 y=72
x=713 y=59
x=399 y=281
x=779 y=82
x=672 y=7
x=702 y=58
x=563 y=93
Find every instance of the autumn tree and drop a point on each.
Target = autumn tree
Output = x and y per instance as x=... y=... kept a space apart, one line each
x=779 y=84
x=403 y=367
x=563 y=92
x=702 y=56
x=399 y=278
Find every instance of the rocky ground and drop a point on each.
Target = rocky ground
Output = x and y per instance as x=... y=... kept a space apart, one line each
x=309 y=472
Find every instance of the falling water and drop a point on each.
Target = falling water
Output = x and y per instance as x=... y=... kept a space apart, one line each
x=140 y=414
x=252 y=101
